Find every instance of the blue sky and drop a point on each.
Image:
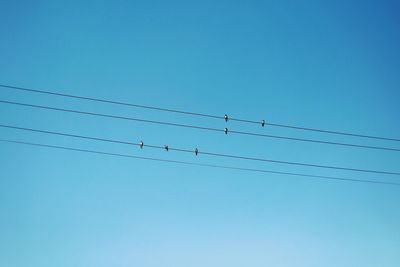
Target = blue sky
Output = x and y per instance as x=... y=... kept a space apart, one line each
x=318 y=64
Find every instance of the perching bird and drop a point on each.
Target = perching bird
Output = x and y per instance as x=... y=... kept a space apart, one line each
x=226 y=130
x=166 y=147
x=196 y=151
x=141 y=144
x=226 y=118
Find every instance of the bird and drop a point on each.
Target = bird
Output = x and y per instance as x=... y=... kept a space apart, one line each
x=226 y=118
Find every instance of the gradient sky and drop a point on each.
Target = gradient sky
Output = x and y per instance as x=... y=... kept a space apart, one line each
x=330 y=65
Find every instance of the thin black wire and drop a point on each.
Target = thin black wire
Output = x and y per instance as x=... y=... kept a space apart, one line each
x=111 y=116
x=197 y=127
x=109 y=101
x=196 y=114
x=315 y=141
x=199 y=164
x=202 y=152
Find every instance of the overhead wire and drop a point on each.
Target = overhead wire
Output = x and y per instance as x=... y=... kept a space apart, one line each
x=25 y=89
x=195 y=126
x=199 y=164
x=169 y=148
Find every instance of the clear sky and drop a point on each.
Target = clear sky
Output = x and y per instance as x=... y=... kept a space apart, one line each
x=324 y=64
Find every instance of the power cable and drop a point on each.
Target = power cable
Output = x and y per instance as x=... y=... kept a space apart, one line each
x=199 y=164
x=168 y=148
x=262 y=122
